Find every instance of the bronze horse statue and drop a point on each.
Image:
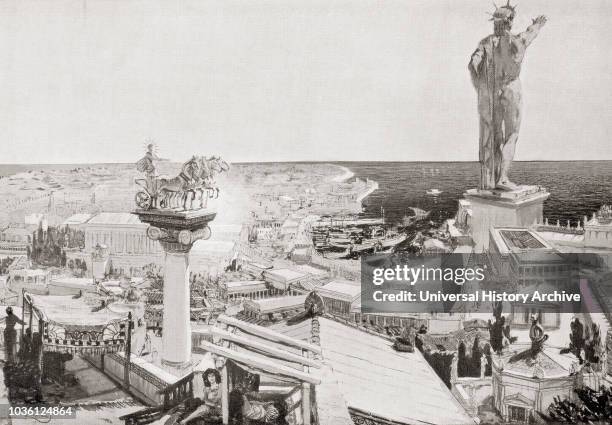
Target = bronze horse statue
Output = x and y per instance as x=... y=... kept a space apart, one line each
x=209 y=168
x=174 y=191
x=196 y=176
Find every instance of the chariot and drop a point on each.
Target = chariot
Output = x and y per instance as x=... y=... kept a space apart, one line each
x=146 y=197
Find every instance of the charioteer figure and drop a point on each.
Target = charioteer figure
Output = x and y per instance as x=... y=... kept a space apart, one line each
x=146 y=165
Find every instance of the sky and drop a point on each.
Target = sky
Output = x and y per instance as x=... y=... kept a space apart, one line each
x=90 y=81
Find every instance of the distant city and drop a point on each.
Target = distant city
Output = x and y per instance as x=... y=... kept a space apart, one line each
x=279 y=276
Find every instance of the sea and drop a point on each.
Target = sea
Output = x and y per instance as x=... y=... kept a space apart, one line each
x=577 y=188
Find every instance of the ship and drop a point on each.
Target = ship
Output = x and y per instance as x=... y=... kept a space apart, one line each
x=375 y=240
x=349 y=238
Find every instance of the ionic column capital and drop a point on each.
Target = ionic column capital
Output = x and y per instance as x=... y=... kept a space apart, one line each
x=175 y=240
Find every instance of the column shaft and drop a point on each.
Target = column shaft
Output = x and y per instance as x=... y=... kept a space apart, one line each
x=177 y=322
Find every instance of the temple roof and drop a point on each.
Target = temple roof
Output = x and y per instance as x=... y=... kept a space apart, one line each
x=340 y=289
x=265 y=305
x=285 y=275
x=547 y=363
x=518 y=400
x=76 y=219
x=110 y=218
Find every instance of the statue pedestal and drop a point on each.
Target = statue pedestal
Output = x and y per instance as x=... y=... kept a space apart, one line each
x=521 y=207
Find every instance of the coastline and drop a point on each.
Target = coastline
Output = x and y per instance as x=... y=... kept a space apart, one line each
x=346 y=174
x=369 y=190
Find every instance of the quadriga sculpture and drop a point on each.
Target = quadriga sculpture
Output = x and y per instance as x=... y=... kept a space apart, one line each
x=188 y=190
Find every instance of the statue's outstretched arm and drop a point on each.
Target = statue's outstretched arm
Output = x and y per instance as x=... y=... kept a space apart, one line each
x=533 y=30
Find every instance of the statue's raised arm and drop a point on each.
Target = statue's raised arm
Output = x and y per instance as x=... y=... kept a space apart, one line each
x=533 y=30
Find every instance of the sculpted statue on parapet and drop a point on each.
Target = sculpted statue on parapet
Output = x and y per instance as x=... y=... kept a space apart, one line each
x=495 y=67
x=188 y=190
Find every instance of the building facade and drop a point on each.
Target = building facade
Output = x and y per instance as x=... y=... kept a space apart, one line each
x=125 y=239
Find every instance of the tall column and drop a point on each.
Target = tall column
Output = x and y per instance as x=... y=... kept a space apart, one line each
x=176 y=337
x=176 y=232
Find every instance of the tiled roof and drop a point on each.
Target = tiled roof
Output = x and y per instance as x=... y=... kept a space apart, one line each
x=341 y=289
x=286 y=274
x=269 y=304
x=375 y=378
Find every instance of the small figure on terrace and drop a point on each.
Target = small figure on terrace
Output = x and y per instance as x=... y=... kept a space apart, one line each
x=10 y=335
x=454 y=368
x=484 y=362
x=538 y=338
x=577 y=340
x=537 y=335
x=25 y=350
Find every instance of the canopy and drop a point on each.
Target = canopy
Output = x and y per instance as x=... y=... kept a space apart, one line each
x=72 y=325
x=70 y=311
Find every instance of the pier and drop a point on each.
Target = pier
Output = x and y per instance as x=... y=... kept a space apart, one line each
x=340 y=221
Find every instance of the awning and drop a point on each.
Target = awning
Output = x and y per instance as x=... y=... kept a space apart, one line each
x=72 y=325
x=75 y=312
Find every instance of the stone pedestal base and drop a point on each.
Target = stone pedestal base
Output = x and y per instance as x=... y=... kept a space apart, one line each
x=521 y=208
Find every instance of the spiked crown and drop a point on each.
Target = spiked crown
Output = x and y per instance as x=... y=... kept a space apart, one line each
x=504 y=13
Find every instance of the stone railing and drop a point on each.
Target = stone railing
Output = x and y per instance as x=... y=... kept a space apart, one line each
x=178 y=392
x=558 y=228
x=171 y=396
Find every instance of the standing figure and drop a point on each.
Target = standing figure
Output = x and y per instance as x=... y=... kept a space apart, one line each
x=495 y=67
x=146 y=165
x=484 y=362
x=10 y=335
x=25 y=348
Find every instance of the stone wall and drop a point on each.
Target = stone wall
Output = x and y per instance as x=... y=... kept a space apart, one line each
x=146 y=380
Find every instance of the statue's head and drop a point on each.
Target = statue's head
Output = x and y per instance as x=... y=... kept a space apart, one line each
x=503 y=17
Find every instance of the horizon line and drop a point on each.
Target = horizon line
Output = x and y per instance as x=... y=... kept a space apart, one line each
x=304 y=162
